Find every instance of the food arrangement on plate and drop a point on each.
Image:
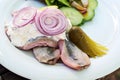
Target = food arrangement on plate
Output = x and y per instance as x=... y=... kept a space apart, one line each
x=53 y=32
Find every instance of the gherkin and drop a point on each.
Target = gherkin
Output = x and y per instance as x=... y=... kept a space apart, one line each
x=85 y=43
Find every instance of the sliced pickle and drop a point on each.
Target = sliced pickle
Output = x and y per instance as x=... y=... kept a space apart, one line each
x=85 y=43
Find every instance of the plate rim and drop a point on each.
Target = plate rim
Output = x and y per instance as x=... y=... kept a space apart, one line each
x=2 y=62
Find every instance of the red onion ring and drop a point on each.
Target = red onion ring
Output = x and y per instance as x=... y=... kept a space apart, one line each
x=51 y=21
x=24 y=16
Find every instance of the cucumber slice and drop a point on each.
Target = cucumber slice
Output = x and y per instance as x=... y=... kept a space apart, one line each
x=90 y=10
x=75 y=16
x=92 y=4
x=89 y=15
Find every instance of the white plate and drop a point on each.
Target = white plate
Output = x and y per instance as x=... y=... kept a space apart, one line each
x=104 y=28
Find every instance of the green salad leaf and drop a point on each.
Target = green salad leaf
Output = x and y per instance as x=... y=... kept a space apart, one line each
x=49 y=2
x=65 y=2
x=59 y=3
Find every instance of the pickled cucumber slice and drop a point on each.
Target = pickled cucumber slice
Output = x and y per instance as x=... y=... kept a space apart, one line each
x=85 y=43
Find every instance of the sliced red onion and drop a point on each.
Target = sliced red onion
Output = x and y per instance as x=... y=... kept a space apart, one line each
x=24 y=16
x=51 y=21
x=14 y=13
